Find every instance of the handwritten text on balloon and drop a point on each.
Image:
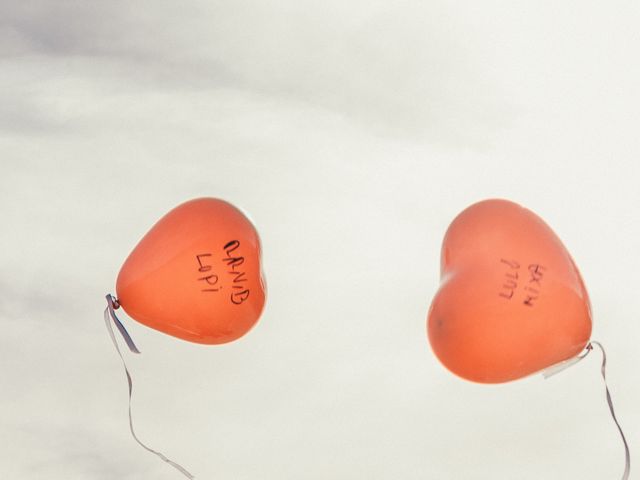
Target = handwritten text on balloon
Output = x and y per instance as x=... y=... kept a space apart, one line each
x=532 y=281
x=233 y=261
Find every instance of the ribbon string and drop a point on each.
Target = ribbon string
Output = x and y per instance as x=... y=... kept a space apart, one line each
x=627 y=456
x=568 y=363
x=112 y=305
x=110 y=315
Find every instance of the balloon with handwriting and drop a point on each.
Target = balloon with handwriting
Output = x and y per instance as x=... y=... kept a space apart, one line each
x=511 y=300
x=196 y=274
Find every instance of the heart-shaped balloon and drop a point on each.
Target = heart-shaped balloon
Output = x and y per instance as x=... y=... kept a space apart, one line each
x=196 y=274
x=511 y=300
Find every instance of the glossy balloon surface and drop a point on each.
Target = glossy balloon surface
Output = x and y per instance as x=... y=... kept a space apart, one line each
x=511 y=300
x=196 y=274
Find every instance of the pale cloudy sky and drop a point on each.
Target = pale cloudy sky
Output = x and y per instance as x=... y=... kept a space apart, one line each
x=352 y=132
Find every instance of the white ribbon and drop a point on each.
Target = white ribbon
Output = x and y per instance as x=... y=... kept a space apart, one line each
x=109 y=314
x=568 y=363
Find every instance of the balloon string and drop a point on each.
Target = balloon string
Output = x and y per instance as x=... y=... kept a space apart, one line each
x=627 y=456
x=112 y=305
x=564 y=365
x=109 y=314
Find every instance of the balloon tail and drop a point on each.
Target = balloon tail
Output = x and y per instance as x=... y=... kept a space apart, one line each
x=568 y=363
x=109 y=315
x=560 y=367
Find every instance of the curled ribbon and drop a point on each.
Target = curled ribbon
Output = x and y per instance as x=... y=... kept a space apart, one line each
x=566 y=364
x=110 y=315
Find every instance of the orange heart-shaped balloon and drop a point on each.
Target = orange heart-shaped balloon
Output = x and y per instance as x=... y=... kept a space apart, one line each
x=511 y=300
x=196 y=274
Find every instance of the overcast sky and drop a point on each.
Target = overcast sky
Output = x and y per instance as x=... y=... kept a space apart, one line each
x=352 y=133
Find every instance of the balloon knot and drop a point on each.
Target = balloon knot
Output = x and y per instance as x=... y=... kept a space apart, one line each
x=113 y=302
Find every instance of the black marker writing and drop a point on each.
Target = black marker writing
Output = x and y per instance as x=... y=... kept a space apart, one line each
x=203 y=267
x=234 y=261
x=536 y=272
x=511 y=278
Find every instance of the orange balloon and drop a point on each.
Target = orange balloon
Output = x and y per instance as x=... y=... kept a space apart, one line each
x=511 y=300
x=196 y=275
